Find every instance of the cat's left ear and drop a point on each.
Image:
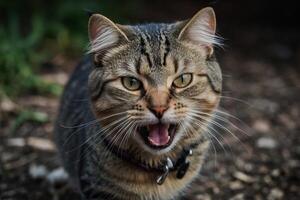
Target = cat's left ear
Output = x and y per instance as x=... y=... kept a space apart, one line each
x=104 y=34
x=201 y=30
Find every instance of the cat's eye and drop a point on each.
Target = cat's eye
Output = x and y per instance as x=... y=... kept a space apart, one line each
x=183 y=80
x=131 y=83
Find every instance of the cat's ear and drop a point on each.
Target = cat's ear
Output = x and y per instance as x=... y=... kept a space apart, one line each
x=201 y=30
x=103 y=33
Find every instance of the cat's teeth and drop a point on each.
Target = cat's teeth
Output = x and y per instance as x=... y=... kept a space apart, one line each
x=155 y=143
x=152 y=141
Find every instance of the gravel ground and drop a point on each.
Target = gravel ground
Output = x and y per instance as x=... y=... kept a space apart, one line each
x=257 y=157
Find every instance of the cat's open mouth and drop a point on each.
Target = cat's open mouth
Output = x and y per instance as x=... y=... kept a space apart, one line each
x=158 y=136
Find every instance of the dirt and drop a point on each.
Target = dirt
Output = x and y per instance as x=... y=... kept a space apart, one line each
x=257 y=155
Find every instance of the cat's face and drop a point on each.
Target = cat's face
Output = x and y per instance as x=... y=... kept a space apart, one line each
x=154 y=86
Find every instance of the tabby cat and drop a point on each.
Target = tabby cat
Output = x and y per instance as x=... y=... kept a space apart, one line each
x=134 y=116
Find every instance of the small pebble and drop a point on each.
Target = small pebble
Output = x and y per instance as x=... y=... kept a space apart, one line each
x=203 y=197
x=37 y=171
x=262 y=126
x=239 y=196
x=275 y=172
x=58 y=175
x=275 y=194
x=235 y=185
x=17 y=142
x=244 y=177
x=266 y=143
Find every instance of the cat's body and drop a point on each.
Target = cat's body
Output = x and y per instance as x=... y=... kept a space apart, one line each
x=127 y=178
x=105 y=113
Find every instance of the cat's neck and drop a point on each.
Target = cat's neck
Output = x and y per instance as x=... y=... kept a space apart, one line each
x=179 y=164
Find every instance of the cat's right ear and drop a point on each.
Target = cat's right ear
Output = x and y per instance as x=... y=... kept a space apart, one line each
x=201 y=30
x=103 y=33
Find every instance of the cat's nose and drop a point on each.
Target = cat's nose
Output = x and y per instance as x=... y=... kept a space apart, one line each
x=158 y=101
x=158 y=111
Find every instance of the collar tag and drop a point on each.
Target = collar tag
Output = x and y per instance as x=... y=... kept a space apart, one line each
x=184 y=166
x=169 y=165
x=182 y=169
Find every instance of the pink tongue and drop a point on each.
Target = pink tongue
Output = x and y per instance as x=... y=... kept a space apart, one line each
x=158 y=134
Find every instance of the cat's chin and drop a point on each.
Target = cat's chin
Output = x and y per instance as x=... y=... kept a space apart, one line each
x=158 y=137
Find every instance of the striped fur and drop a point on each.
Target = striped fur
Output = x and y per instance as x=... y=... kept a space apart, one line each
x=96 y=105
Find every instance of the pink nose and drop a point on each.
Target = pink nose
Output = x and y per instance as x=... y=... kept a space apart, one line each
x=158 y=101
x=158 y=111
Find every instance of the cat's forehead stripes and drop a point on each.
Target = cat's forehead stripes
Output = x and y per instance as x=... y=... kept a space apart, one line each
x=154 y=53
x=146 y=50
x=155 y=44
x=164 y=47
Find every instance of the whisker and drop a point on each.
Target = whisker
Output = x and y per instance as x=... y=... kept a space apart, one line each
x=93 y=122
x=131 y=130
x=217 y=124
x=122 y=127
x=211 y=142
x=119 y=134
x=232 y=116
x=236 y=99
x=196 y=122
x=222 y=127
x=105 y=133
x=223 y=119
x=80 y=125
x=95 y=135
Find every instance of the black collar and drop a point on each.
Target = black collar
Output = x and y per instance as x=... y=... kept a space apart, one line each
x=180 y=165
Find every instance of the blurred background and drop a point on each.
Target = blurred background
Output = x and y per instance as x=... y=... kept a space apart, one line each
x=256 y=155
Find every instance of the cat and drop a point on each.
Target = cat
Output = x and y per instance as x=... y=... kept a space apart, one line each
x=134 y=115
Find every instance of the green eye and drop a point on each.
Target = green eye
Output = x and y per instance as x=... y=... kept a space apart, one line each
x=131 y=83
x=183 y=80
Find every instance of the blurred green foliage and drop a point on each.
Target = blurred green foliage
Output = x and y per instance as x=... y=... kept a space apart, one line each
x=33 y=31
x=28 y=115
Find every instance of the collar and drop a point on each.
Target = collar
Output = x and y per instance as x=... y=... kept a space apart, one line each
x=180 y=165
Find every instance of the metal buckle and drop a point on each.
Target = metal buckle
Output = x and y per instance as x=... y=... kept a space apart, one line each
x=182 y=168
x=169 y=165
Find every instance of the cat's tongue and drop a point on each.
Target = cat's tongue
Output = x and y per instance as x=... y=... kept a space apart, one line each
x=158 y=134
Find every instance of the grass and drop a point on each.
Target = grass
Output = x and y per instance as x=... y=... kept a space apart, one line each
x=19 y=59
x=32 y=32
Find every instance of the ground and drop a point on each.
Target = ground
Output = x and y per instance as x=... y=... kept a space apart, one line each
x=256 y=157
